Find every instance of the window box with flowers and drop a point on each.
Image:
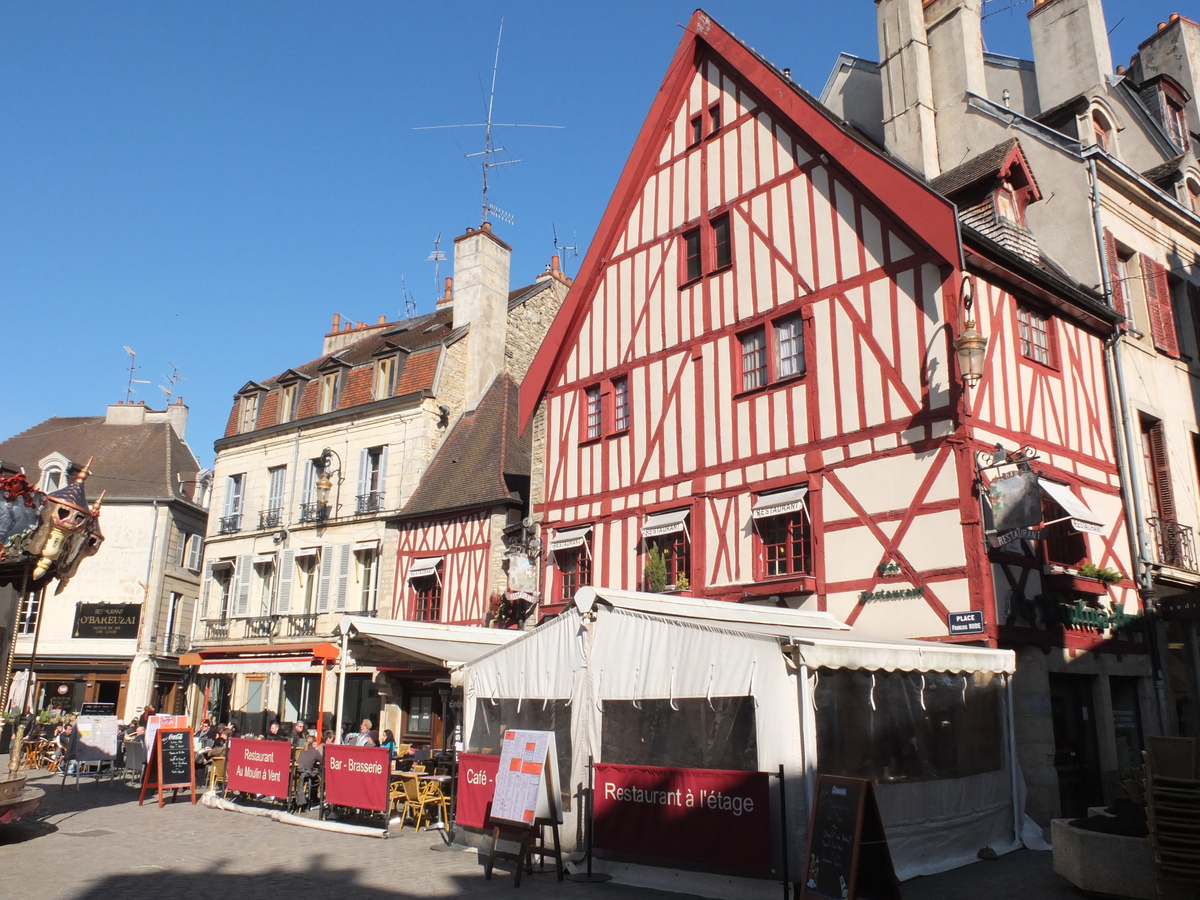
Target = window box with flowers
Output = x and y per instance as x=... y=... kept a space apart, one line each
x=1088 y=578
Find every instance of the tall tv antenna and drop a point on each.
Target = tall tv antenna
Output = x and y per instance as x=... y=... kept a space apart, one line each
x=490 y=149
x=564 y=251
x=436 y=257
x=410 y=302
x=172 y=379
x=133 y=367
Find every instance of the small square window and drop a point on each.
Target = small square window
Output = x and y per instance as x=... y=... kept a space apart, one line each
x=1034 y=331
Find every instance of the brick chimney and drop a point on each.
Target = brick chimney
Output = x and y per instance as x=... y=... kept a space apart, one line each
x=1071 y=55
x=481 y=274
x=1174 y=50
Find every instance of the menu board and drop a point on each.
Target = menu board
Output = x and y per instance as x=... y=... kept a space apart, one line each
x=525 y=782
x=96 y=738
x=153 y=723
x=847 y=855
x=170 y=764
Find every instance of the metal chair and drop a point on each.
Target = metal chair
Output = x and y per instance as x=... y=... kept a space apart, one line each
x=416 y=803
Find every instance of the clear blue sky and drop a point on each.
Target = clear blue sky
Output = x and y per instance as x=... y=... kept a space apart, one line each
x=208 y=183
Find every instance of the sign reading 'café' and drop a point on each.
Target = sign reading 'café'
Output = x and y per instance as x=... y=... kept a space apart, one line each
x=107 y=620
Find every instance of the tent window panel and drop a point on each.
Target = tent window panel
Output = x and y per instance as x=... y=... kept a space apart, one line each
x=696 y=734
x=492 y=719
x=955 y=733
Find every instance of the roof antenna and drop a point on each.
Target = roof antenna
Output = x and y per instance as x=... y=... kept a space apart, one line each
x=172 y=379
x=561 y=249
x=436 y=257
x=410 y=303
x=133 y=367
x=489 y=148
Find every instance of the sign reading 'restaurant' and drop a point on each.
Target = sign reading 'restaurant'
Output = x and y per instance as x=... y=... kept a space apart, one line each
x=259 y=767
x=709 y=817
x=356 y=776
x=476 y=788
x=107 y=620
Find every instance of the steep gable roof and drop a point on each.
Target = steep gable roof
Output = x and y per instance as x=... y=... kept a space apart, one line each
x=928 y=216
x=470 y=468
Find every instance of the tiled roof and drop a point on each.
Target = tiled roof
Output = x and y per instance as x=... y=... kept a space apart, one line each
x=470 y=468
x=984 y=165
x=133 y=462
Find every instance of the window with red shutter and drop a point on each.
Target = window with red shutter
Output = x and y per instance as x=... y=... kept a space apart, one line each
x=1158 y=302
x=1116 y=272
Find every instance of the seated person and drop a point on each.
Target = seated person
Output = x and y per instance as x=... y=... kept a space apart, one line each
x=308 y=773
x=299 y=735
x=274 y=734
x=389 y=742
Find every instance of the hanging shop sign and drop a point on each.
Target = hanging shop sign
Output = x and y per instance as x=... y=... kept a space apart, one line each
x=112 y=621
x=706 y=817
x=1015 y=501
x=1098 y=618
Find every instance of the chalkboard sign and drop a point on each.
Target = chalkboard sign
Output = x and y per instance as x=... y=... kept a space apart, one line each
x=847 y=854
x=170 y=764
x=98 y=709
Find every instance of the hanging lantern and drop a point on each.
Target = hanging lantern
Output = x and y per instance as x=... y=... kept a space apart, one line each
x=970 y=346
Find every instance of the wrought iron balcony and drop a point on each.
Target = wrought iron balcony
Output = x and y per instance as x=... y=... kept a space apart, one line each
x=270 y=518
x=170 y=643
x=1173 y=544
x=368 y=503
x=314 y=512
x=261 y=626
x=230 y=524
x=302 y=626
x=216 y=630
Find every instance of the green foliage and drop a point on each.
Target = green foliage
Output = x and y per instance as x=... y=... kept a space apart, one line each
x=1108 y=576
x=681 y=583
x=656 y=570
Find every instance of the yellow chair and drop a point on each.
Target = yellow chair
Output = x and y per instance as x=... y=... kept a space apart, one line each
x=419 y=770
x=416 y=803
x=433 y=793
x=33 y=755
x=216 y=774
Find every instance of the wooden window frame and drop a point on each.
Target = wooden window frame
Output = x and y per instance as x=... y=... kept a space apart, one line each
x=1160 y=305
x=1036 y=322
x=592 y=421
x=794 y=536
x=575 y=575
x=691 y=259
x=426 y=598
x=622 y=410
x=722 y=244
x=677 y=554
x=331 y=389
x=288 y=396
x=714 y=119
x=248 y=419
x=385 y=378
x=770 y=332
x=759 y=369
x=696 y=128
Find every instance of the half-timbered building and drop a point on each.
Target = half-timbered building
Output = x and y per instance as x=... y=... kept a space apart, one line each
x=315 y=464
x=752 y=391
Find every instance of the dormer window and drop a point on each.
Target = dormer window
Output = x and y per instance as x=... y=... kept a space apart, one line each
x=249 y=413
x=1006 y=204
x=1191 y=189
x=55 y=473
x=1102 y=131
x=385 y=378
x=287 y=402
x=1174 y=117
x=331 y=385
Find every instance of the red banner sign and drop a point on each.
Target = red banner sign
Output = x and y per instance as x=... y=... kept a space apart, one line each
x=476 y=787
x=357 y=776
x=259 y=767
x=710 y=817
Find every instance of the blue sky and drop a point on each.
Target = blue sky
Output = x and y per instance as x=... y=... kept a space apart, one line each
x=208 y=183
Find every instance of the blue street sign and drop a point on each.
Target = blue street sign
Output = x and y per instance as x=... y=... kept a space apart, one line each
x=967 y=622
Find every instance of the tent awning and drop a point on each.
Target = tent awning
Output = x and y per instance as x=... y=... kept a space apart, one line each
x=779 y=503
x=249 y=657
x=384 y=642
x=569 y=537
x=255 y=666
x=1082 y=518
x=423 y=568
x=669 y=522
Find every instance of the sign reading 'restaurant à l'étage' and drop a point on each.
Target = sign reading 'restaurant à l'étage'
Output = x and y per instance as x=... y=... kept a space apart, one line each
x=117 y=621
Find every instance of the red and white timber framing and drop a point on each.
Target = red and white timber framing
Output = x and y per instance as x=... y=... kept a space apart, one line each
x=875 y=429
x=463 y=546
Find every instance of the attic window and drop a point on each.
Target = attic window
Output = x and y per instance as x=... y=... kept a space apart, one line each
x=1174 y=117
x=1102 y=131
x=1192 y=189
x=1007 y=206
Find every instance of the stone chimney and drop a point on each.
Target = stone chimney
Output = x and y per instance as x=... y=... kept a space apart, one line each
x=481 y=272
x=1174 y=50
x=1070 y=49
x=175 y=415
x=908 y=105
x=955 y=35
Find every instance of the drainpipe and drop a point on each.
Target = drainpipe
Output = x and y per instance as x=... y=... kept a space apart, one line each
x=1135 y=521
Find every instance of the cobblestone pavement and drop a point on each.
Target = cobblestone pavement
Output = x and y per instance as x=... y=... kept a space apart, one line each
x=97 y=843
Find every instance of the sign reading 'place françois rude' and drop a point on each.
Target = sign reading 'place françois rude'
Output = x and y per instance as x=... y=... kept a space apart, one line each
x=107 y=620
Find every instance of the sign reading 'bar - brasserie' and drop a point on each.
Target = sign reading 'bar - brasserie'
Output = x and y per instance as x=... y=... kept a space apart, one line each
x=107 y=620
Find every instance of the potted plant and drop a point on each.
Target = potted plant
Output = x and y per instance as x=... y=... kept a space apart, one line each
x=656 y=570
x=1108 y=576
x=1088 y=578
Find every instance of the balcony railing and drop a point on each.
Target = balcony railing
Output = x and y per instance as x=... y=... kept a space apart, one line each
x=302 y=626
x=230 y=524
x=270 y=518
x=216 y=630
x=261 y=626
x=1173 y=544
x=368 y=503
x=170 y=643
x=314 y=512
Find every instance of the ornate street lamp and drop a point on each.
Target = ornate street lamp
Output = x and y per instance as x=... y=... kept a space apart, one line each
x=970 y=346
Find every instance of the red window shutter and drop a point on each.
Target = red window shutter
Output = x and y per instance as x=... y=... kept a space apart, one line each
x=1114 y=272
x=1162 y=472
x=1158 y=300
